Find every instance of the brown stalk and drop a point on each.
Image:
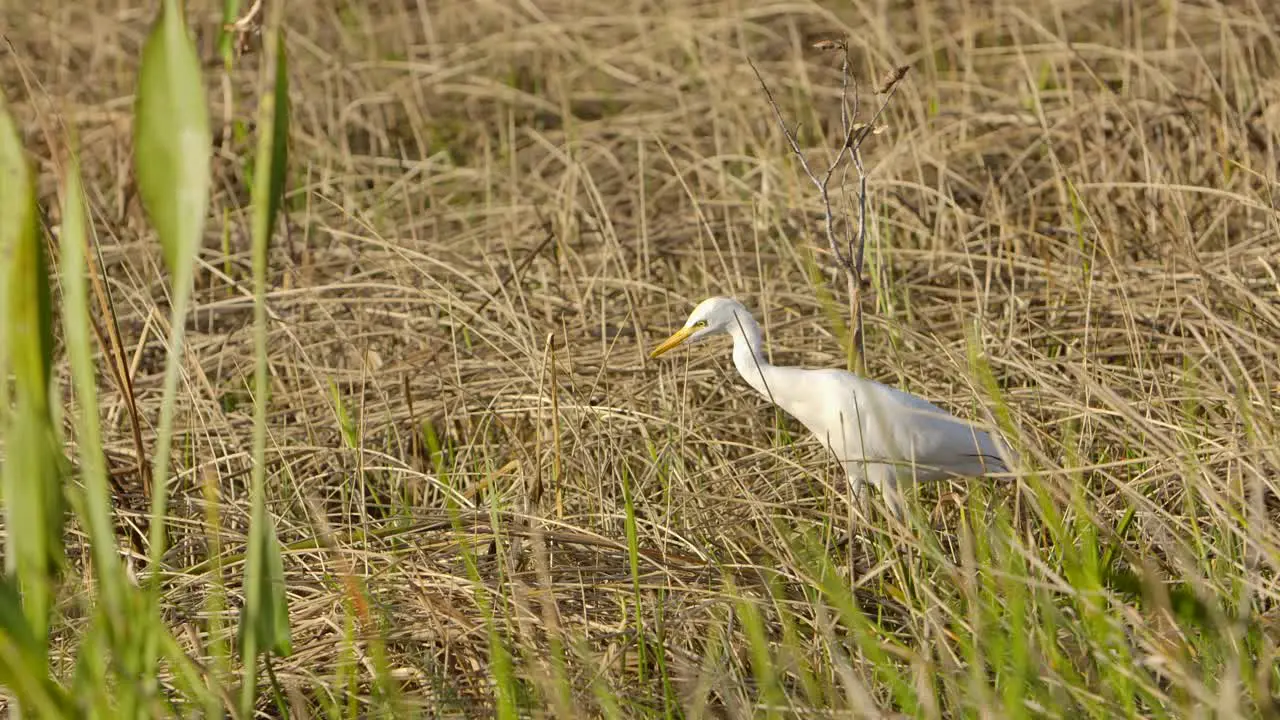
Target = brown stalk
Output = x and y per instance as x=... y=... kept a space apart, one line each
x=850 y=260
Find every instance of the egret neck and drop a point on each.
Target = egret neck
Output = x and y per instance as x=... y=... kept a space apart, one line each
x=748 y=356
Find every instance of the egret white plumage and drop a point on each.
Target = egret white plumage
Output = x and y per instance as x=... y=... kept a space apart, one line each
x=879 y=434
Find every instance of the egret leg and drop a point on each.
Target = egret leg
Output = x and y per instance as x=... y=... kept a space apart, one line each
x=893 y=501
x=885 y=481
x=858 y=488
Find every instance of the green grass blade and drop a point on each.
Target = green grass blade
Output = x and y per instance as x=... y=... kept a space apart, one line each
x=273 y=147
x=265 y=622
x=227 y=34
x=762 y=665
x=869 y=637
x=17 y=220
x=172 y=148
x=22 y=668
x=25 y=274
x=15 y=203
x=172 y=138
x=31 y=476
x=76 y=327
x=33 y=505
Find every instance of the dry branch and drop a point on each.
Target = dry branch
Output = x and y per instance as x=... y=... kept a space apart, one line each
x=854 y=134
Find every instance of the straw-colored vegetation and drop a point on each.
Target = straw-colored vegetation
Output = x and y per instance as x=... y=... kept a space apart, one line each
x=484 y=499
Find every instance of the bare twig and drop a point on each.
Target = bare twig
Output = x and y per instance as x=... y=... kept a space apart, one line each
x=246 y=28
x=854 y=134
x=246 y=22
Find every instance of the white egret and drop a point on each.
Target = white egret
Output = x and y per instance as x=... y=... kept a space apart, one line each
x=881 y=435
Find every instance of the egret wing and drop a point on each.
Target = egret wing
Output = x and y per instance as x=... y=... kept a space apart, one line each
x=907 y=427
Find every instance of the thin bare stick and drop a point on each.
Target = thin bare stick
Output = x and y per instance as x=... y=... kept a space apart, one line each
x=245 y=23
x=854 y=134
x=858 y=243
x=820 y=183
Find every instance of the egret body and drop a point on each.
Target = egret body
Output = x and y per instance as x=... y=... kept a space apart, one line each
x=879 y=434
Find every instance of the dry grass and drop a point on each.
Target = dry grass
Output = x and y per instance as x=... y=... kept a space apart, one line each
x=1088 y=187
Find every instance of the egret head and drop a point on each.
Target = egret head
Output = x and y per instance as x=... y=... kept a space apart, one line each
x=713 y=316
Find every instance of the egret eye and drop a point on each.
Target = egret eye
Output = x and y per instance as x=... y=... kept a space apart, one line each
x=700 y=324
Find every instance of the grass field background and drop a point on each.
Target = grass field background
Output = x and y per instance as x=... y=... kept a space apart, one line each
x=489 y=501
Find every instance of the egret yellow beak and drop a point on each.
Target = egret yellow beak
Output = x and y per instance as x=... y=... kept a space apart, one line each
x=676 y=338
